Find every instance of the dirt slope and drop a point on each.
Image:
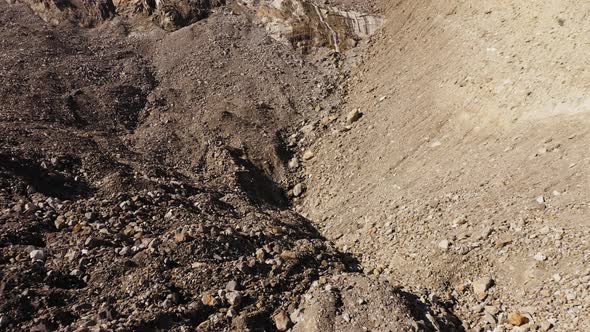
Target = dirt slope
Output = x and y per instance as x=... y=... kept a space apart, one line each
x=470 y=160
x=145 y=179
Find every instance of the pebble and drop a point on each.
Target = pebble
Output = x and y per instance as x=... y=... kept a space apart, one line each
x=296 y=315
x=307 y=129
x=60 y=222
x=232 y=286
x=37 y=255
x=485 y=233
x=491 y=309
x=293 y=163
x=481 y=286
x=181 y=236
x=546 y=326
x=489 y=318
x=540 y=257
x=307 y=155
x=459 y=221
x=517 y=319
x=281 y=320
x=540 y=199
x=353 y=116
x=346 y=317
x=209 y=300
x=233 y=298
x=444 y=244
x=126 y=251
x=298 y=190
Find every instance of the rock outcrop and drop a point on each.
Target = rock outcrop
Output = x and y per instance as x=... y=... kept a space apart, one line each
x=307 y=25
x=168 y=14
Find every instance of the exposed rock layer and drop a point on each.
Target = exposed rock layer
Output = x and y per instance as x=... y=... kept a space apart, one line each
x=169 y=14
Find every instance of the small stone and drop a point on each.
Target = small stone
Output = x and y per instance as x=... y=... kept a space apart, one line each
x=281 y=320
x=444 y=244
x=89 y=216
x=491 y=309
x=570 y=295
x=231 y=312
x=298 y=190
x=546 y=326
x=540 y=257
x=233 y=298
x=60 y=222
x=307 y=155
x=481 y=286
x=126 y=251
x=461 y=220
x=37 y=255
x=181 y=236
x=289 y=255
x=503 y=241
x=293 y=163
x=209 y=300
x=517 y=319
x=231 y=286
x=353 y=116
x=346 y=317
x=541 y=200
x=307 y=129
x=485 y=233
x=489 y=318
x=296 y=316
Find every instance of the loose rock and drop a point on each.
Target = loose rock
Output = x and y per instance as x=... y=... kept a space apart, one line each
x=353 y=116
x=281 y=320
x=481 y=286
x=517 y=319
x=37 y=255
x=233 y=298
x=308 y=155
x=298 y=190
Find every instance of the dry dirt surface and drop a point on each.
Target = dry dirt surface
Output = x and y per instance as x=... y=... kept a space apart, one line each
x=294 y=165
x=468 y=172
x=147 y=172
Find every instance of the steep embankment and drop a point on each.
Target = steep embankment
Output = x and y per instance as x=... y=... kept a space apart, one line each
x=144 y=175
x=471 y=160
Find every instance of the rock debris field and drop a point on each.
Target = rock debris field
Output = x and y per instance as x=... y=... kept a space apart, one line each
x=294 y=165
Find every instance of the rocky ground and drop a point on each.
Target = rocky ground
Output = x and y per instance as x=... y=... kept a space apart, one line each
x=467 y=173
x=294 y=165
x=148 y=160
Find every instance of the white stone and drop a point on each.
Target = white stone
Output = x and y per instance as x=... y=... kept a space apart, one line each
x=444 y=244
x=540 y=257
x=37 y=255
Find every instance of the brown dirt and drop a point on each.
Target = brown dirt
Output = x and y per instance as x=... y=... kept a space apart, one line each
x=144 y=178
x=182 y=165
x=470 y=161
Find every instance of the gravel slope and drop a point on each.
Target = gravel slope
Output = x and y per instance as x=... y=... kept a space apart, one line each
x=470 y=160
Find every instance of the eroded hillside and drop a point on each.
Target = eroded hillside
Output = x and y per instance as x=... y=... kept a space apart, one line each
x=468 y=171
x=147 y=171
